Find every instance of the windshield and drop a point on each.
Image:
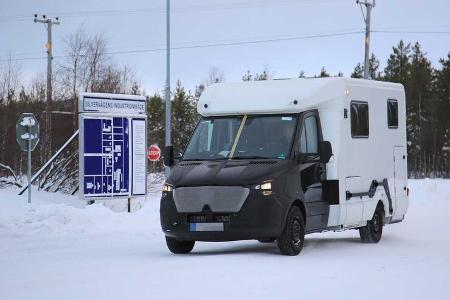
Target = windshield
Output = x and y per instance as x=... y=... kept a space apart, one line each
x=242 y=137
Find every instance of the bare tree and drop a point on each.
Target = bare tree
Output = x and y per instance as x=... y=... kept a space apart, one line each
x=97 y=61
x=38 y=88
x=72 y=73
x=215 y=75
x=265 y=75
x=128 y=81
x=9 y=79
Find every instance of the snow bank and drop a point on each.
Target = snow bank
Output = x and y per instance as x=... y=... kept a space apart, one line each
x=61 y=214
x=424 y=191
x=58 y=214
x=56 y=248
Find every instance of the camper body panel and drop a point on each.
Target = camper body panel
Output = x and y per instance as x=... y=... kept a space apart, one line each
x=355 y=163
x=363 y=159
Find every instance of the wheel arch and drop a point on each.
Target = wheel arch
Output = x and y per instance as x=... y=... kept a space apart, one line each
x=300 y=204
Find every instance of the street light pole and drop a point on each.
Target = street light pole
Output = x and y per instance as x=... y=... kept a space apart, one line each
x=29 y=165
x=168 y=138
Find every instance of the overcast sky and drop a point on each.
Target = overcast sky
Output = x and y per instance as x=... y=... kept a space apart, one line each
x=138 y=25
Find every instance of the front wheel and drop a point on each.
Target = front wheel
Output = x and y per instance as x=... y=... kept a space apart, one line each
x=371 y=233
x=291 y=240
x=179 y=247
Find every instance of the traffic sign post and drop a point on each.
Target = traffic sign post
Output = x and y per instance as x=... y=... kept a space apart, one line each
x=154 y=153
x=27 y=136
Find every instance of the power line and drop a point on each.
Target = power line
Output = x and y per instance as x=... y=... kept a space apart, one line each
x=191 y=8
x=411 y=31
x=210 y=45
x=238 y=42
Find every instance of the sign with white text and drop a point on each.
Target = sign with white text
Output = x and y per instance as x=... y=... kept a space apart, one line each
x=113 y=143
x=111 y=103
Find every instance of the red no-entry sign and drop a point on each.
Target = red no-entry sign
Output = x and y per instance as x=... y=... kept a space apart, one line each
x=154 y=153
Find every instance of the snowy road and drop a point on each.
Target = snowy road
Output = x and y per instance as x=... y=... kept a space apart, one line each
x=62 y=252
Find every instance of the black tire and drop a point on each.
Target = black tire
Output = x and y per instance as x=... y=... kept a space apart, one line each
x=291 y=240
x=179 y=247
x=372 y=232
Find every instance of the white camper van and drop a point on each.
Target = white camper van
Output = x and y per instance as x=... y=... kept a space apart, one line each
x=275 y=160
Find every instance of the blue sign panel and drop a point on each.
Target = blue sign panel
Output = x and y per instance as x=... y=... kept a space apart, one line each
x=113 y=143
x=106 y=157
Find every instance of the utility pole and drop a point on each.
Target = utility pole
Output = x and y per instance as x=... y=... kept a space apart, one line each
x=369 y=6
x=48 y=23
x=168 y=140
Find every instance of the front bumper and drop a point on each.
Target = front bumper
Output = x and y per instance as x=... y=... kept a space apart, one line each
x=260 y=217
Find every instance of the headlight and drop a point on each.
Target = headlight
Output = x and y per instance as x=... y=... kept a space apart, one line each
x=265 y=187
x=167 y=187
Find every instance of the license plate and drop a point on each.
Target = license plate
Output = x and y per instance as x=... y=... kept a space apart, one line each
x=206 y=226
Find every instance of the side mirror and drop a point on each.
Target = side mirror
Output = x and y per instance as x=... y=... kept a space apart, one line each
x=325 y=151
x=169 y=159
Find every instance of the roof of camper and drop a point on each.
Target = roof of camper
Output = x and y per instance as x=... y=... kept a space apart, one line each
x=278 y=96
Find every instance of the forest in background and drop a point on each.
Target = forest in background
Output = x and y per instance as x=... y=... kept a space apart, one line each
x=89 y=68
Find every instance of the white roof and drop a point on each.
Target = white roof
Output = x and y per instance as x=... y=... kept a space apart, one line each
x=278 y=96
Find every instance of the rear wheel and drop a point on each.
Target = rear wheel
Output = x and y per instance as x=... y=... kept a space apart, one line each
x=179 y=247
x=291 y=240
x=371 y=233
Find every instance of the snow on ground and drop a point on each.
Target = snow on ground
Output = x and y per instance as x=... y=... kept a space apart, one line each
x=56 y=248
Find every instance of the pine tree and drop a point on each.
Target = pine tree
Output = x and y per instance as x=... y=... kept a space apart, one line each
x=420 y=103
x=156 y=123
x=184 y=117
x=323 y=73
x=442 y=90
x=264 y=75
x=358 y=72
x=374 y=64
x=247 y=76
x=398 y=64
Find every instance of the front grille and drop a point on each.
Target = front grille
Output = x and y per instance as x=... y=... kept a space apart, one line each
x=216 y=198
x=208 y=218
x=263 y=162
x=190 y=164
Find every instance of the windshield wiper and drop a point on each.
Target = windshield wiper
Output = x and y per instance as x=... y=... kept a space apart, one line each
x=204 y=159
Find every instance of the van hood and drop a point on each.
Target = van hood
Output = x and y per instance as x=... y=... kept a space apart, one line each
x=227 y=172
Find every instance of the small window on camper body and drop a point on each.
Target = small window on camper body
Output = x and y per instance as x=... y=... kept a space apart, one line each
x=392 y=113
x=359 y=115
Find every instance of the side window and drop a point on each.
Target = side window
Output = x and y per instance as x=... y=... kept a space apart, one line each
x=392 y=113
x=303 y=140
x=309 y=137
x=359 y=115
x=204 y=140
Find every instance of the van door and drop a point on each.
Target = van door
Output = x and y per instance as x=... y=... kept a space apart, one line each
x=354 y=205
x=312 y=171
x=400 y=181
